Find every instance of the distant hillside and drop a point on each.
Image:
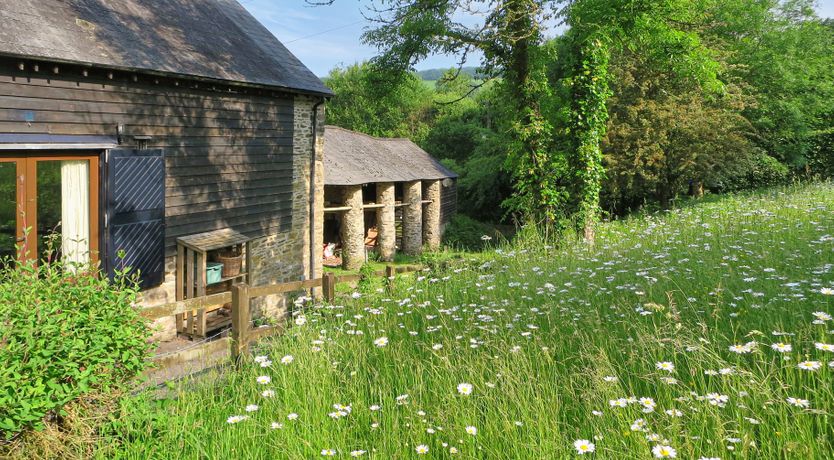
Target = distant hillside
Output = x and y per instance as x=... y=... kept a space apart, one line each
x=435 y=74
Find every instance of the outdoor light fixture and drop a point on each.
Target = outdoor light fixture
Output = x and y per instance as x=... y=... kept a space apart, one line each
x=120 y=132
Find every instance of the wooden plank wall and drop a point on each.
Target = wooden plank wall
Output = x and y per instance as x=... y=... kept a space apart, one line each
x=228 y=155
x=448 y=201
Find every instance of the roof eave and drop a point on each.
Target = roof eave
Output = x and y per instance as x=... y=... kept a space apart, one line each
x=159 y=73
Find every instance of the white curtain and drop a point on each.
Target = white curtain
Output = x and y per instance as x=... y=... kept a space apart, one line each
x=75 y=211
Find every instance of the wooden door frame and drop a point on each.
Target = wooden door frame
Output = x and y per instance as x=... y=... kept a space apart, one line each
x=27 y=195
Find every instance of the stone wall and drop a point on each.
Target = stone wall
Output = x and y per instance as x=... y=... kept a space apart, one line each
x=386 y=222
x=431 y=215
x=353 y=228
x=412 y=218
x=282 y=257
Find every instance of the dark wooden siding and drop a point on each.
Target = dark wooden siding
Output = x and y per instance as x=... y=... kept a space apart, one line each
x=228 y=155
x=448 y=201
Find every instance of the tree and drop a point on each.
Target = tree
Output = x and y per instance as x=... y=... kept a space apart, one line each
x=508 y=38
x=654 y=28
x=401 y=110
x=664 y=137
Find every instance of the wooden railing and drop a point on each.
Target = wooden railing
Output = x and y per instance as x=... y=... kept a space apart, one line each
x=242 y=334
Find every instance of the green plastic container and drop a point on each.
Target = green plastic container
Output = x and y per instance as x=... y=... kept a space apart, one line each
x=213 y=271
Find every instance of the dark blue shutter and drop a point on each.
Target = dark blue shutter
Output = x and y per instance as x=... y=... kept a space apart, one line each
x=135 y=214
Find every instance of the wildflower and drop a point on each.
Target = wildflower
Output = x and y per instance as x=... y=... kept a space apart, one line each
x=236 y=419
x=583 y=446
x=374 y=407
x=251 y=408
x=276 y=425
x=809 y=365
x=827 y=291
x=709 y=458
x=292 y=416
x=610 y=378
x=660 y=451
x=436 y=347
x=638 y=425
x=798 y=402
x=328 y=452
x=782 y=347
x=264 y=379
x=260 y=359
x=824 y=346
x=621 y=402
x=357 y=453
x=381 y=342
x=300 y=320
x=471 y=430
x=486 y=238
x=402 y=399
x=287 y=360
x=453 y=450
x=422 y=449
x=717 y=399
x=742 y=349
x=822 y=316
x=665 y=366
x=465 y=389
x=268 y=393
x=673 y=413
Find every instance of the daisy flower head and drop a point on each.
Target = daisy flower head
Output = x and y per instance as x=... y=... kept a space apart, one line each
x=288 y=359
x=357 y=453
x=292 y=416
x=465 y=389
x=251 y=408
x=796 y=402
x=824 y=346
x=827 y=291
x=381 y=342
x=661 y=451
x=268 y=393
x=665 y=366
x=782 y=347
x=422 y=449
x=583 y=446
x=328 y=453
x=809 y=365
x=471 y=430
x=822 y=316
x=236 y=419
x=264 y=379
x=276 y=425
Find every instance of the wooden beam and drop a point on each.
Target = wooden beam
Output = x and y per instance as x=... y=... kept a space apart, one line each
x=240 y=321
x=338 y=209
x=187 y=305
x=271 y=289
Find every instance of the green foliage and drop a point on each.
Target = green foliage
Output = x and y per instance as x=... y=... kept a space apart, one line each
x=65 y=331
x=467 y=234
x=366 y=277
x=364 y=103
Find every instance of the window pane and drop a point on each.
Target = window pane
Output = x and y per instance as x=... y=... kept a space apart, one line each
x=8 y=210
x=63 y=210
x=49 y=209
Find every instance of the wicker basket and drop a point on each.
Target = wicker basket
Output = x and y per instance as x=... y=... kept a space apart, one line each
x=231 y=264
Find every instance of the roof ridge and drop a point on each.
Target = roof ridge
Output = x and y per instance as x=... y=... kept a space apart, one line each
x=326 y=127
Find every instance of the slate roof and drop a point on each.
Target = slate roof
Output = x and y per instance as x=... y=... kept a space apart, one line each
x=214 y=39
x=352 y=158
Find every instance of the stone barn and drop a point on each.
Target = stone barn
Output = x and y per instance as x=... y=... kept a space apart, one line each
x=382 y=194
x=179 y=133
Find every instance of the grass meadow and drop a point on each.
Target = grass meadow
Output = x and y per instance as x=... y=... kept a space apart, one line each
x=699 y=333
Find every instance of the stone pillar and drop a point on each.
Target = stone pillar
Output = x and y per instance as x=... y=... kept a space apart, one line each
x=431 y=215
x=353 y=229
x=386 y=239
x=412 y=217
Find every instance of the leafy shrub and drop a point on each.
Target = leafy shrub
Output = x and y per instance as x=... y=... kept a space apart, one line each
x=466 y=233
x=64 y=331
x=767 y=172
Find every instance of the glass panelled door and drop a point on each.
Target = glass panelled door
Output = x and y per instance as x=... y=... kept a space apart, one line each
x=54 y=214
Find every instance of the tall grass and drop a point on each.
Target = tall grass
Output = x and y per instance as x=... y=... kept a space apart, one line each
x=549 y=337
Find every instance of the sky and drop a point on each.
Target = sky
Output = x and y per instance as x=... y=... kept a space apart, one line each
x=323 y=37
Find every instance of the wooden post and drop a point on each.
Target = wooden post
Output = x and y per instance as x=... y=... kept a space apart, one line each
x=390 y=273
x=328 y=286
x=180 y=319
x=240 y=321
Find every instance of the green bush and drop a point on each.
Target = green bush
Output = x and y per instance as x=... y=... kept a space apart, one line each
x=768 y=172
x=64 y=331
x=466 y=233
